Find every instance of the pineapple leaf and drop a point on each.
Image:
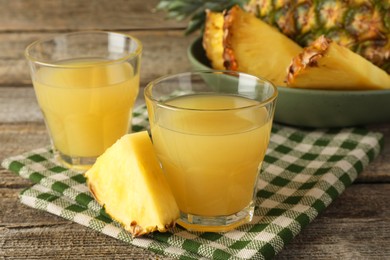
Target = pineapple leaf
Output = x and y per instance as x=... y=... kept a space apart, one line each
x=194 y=10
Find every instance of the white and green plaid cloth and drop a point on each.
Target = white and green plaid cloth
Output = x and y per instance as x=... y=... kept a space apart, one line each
x=303 y=172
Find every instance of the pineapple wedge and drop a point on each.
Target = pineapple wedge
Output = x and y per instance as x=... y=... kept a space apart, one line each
x=128 y=181
x=213 y=39
x=254 y=47
x=327 y=65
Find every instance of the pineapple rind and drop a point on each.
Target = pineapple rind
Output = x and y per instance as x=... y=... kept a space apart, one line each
x=213 y=39
x=128 y=181
x=327 y=65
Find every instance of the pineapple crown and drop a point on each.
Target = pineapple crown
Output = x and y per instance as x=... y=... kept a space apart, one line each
x=194 y=10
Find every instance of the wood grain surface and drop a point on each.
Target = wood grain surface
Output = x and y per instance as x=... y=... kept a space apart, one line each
x=355 y=226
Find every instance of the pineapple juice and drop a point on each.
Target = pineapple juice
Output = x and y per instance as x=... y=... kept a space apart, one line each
x=86 y=104
x=212 y=158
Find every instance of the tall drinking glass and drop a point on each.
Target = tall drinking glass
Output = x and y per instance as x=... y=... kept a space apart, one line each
x=211 y=130
x=86 y=84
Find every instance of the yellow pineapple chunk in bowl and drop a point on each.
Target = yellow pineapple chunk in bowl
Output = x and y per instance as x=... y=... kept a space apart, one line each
x=324 y=64
x=128 y=182
x=254 y=47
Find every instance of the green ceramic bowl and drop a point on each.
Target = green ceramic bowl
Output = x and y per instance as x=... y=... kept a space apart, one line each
x=318 y=108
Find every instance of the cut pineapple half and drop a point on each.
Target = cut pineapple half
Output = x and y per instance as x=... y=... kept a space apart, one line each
x=213 y=39
x=327 y=65
x=128 y=181
x=254 y=47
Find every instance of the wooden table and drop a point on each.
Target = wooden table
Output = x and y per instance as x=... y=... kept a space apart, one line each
x=355 y=226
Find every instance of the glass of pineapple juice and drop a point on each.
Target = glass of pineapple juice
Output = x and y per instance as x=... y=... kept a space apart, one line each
x=210 y=130
x=86 y=84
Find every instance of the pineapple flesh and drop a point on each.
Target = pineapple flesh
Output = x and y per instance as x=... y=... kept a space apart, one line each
x=327 y=65
x=360 y=25
x=128 y=182
x=213 y=39
x=254 y=47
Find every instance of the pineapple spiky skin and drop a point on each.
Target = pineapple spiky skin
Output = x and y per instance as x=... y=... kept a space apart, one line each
x=213 y=39
x=360 y=25
x=327 y=65
x=254 y=47
x=128 y=182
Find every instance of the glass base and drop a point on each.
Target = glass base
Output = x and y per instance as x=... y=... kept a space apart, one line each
x=75 y=163
x=216 y=224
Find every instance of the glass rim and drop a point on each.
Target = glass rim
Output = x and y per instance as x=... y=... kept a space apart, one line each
x=31 y=58
x=149 y=87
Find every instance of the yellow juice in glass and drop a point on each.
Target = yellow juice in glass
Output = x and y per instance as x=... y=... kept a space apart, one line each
x=212 y=158
x=86 y=104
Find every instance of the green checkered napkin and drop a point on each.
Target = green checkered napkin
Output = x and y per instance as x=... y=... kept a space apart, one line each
x=303 y=172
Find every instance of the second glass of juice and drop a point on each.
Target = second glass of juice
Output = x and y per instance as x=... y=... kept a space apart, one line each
x=86 y=84
x=211 y=130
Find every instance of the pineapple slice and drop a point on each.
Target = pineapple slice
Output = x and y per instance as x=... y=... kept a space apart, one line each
x=213 y=39
x=128 y=181
x=327 y=65
x=254 y=47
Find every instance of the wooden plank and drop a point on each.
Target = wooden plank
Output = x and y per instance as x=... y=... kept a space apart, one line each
x=163 y=53
x=19 y=138
x=379 y=169
x=10 y=180
x=59 y=15
x=354 y=226
x=340 y=239
x=66 y=241
x=18 y=105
